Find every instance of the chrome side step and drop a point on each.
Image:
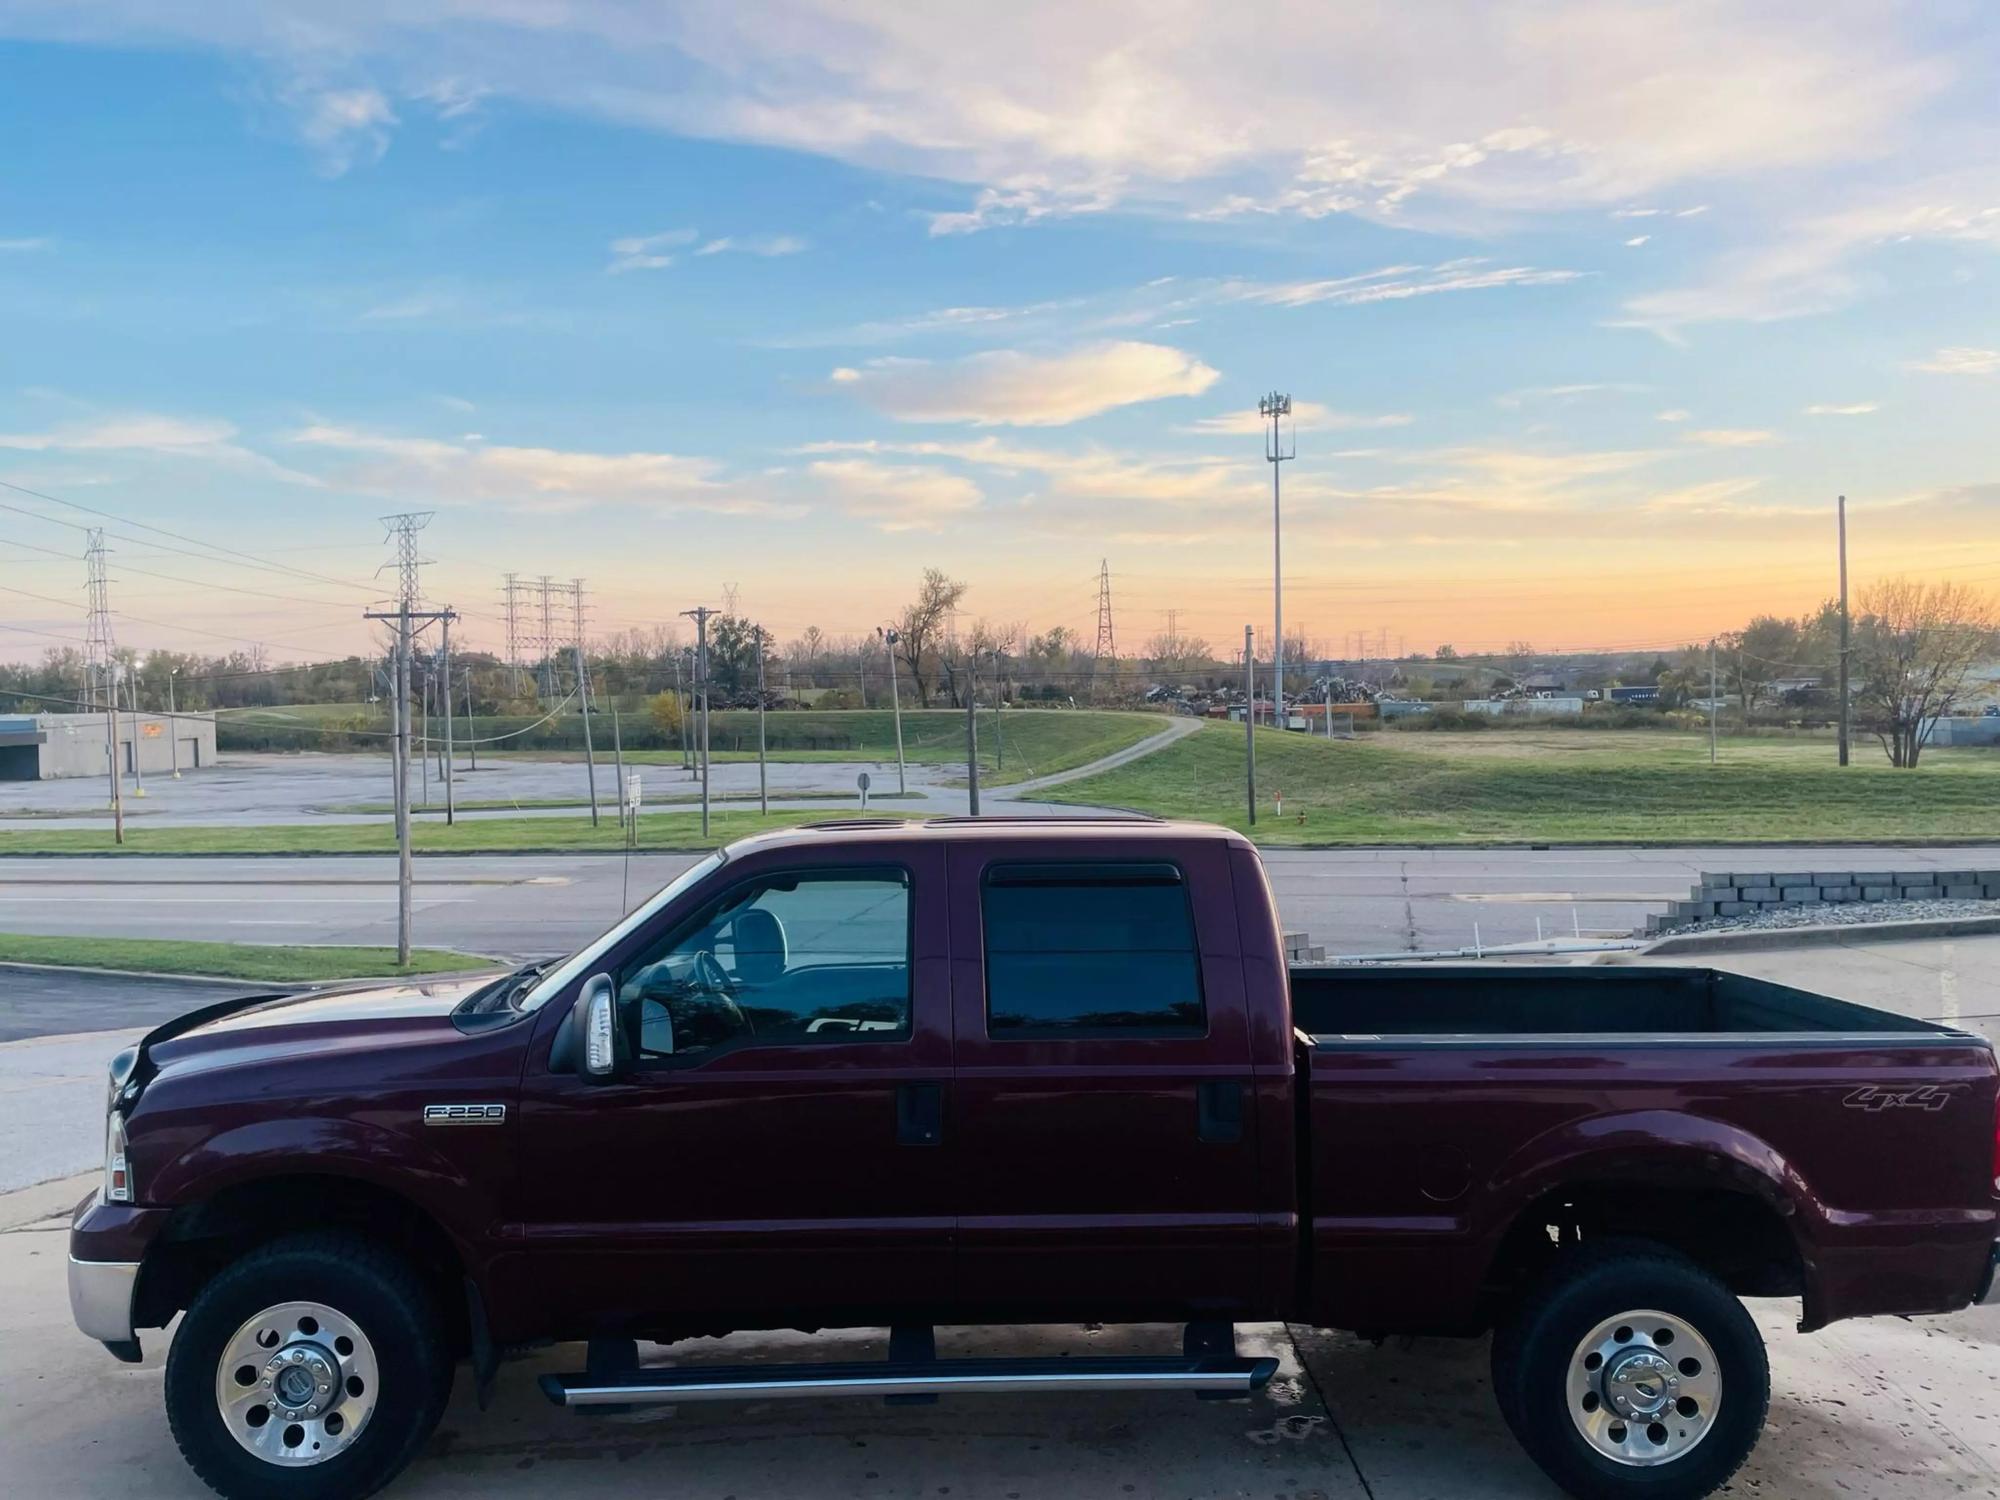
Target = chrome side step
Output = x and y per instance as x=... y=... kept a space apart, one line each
x=668 y=1386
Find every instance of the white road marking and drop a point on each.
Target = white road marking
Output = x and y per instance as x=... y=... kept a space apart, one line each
x=1948 y=988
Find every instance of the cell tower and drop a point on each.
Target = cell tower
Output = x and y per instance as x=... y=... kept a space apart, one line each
x=99 y=651
x=1107 y=647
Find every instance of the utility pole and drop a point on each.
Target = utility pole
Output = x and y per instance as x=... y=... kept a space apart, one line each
x=763 y=787
x=701 y=617
x=1714 y=703
x=583 y=691
x=100 y=657
x=471 y=732
x=138 y=748
x=444 y=653
x=547 y=642
x=424 y=738
x=889 y=639
x=173 y=723
x=403 y=529
x=1250 y=721
x=972 y=737
x=1845 y=630
x=618 y=761
x=1271 y=408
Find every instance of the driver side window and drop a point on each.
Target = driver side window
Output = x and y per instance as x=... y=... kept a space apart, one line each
x=780 y=960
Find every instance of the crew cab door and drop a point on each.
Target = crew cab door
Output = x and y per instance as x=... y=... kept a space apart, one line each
x=778 y=1146
x=1105 y=1145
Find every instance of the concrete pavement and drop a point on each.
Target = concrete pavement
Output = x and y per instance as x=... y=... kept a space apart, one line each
x=1882 y=1410
x=1352 y=900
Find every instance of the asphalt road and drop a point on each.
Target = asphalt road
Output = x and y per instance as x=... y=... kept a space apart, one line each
x=1351 y=900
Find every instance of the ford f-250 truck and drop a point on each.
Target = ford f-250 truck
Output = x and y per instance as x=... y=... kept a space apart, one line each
x=1016 y=1071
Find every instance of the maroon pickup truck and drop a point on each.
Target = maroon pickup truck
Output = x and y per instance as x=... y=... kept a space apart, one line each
x=1016 y=1071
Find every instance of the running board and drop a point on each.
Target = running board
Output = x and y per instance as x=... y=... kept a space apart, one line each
x=670 y=1386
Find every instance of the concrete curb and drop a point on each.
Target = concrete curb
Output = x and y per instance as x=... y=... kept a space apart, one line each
x=1760 y=939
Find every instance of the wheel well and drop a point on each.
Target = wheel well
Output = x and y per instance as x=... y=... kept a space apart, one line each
x=201 y=1239
x=1736 y=1236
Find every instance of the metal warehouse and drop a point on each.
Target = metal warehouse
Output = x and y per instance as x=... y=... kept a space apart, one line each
x=47 y=747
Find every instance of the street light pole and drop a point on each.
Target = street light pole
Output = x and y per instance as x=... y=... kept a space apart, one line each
x=889 y=639
x=1250 y=720
x=173 y=723
x=1845 y=628
x=1271 y=408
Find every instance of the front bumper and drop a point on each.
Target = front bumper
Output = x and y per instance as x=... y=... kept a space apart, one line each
x=1989 y=1290
x=100 y=1299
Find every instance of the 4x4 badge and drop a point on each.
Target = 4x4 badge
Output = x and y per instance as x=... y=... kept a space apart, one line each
x=465 y=1114
x=1928 y=1096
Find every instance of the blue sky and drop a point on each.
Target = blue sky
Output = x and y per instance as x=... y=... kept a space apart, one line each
x=1589 y=309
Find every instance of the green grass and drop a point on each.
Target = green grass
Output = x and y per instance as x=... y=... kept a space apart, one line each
x=675 y=830
x=230 y=960
x=1030 y=742
x=1556 y=786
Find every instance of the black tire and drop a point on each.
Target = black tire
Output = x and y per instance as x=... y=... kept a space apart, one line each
x=371 y=1285
x=1533 y=1349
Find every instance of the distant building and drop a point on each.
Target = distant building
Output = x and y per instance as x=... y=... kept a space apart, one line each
x=1496 y=708
x=49 y=747
x=1643 y=693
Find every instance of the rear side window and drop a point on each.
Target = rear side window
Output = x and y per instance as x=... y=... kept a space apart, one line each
x=1090 y=950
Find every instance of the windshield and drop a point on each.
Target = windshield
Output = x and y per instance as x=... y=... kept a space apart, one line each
x=580 y=961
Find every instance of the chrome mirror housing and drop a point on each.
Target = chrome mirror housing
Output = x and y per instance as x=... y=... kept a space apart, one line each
x=601 y=1058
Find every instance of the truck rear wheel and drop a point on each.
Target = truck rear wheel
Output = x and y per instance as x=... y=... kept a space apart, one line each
x=1630 y=1371
x=314 y=1367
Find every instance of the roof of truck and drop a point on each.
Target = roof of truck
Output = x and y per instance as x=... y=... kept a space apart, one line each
x=1003 y=826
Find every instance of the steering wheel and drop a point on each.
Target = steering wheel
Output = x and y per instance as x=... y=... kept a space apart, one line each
x=712 y=981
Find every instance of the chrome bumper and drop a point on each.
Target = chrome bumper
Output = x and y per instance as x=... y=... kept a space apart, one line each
x=1989 y=1291
x=100 y=1299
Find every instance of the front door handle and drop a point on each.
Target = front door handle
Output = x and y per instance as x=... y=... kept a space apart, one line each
x=919 y=1114
x=1219 y=1112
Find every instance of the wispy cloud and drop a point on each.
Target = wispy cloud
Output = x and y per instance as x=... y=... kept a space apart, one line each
x=648 y=252
x=472 y=472
x=1730 y=437
x=345 y=127
x=1566 y=394
x=1011 y=388
x=1674 y=414
x=22 y=246
x=896 y=497
x=150 y=433
x=767 y=245
x=1310 y=416
x=1393 y=284
x=1960 y=361
x=1833 y=409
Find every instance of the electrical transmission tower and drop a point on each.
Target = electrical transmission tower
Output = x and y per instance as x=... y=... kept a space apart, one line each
x=1107 y=647
x=547 y=641
x=729 y=599
x=99 y=650
x=583 y=689
x=510 y=597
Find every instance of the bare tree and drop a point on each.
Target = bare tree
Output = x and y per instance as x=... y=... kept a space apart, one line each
x=1915 y=646
x=805 y=652
x=921 y=629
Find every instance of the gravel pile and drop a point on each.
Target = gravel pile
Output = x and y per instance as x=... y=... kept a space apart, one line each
x=1842 y=914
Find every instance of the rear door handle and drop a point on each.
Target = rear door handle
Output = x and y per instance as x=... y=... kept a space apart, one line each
x=1219 y=1111
x=919 y=1114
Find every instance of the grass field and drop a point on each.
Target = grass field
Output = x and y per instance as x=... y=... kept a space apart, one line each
x=1556 y=786
x=1013 y=746
x=486 y=835
x=284 y=965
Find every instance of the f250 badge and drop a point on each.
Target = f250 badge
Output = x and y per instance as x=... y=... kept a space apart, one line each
x=465 y=1114
x=1928 y=1096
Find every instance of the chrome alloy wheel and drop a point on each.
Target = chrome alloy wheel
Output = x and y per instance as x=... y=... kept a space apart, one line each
x=296 y=1383
x=1644 y=1388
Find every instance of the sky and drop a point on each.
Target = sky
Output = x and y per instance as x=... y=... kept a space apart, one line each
x=1588 y=311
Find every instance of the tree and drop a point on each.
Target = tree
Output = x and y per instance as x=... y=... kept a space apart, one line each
x=806 y=651
x=920 y=630
x=1915 y=645
x=1447 y=652
x=664 y=709
x=1766 y=648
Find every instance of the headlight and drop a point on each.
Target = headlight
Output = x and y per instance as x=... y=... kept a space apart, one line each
x=117 y=1173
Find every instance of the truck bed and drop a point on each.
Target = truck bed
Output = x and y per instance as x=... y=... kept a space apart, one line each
x=1457 y=1119
x=1346 y=1004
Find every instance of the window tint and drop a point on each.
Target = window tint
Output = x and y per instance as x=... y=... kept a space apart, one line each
x=783 y=960
x=1078 y=949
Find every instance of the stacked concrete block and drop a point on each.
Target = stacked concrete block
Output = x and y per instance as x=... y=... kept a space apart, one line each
x=1746 y=893
x=1301 y=949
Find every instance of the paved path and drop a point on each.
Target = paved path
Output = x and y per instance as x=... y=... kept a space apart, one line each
x=1177 y=729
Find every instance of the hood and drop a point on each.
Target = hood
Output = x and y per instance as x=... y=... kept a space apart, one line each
x=316 y=1020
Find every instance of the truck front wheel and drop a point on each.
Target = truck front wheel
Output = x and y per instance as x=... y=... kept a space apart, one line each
x=1630 y=1371
x=314 y=1367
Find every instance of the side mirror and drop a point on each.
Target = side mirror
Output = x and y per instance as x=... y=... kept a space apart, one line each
x=602 y=1057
